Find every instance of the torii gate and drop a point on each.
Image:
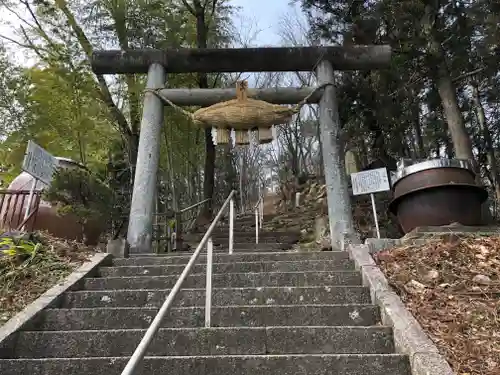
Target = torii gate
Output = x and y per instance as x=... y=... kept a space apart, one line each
x=157 y=63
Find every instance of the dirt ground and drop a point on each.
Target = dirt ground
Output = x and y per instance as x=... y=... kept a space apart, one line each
x=453 y=289
x=24 y=277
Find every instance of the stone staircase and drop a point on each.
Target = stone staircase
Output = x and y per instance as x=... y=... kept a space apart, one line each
x=274 y=312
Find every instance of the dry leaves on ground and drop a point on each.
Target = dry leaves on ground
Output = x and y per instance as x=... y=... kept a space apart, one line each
x=453 y=290
x=22 y=282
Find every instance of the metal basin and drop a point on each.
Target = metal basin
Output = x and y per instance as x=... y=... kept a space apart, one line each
x=47 y=218
x=437 y=192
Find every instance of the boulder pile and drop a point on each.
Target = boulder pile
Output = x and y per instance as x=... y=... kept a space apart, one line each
x=313 y=204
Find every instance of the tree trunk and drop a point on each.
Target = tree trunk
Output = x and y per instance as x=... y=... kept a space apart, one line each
x=171 y=173
x=446 y=88
x=490 y=153
x=209 y=171
x=456 y=125
x=321 y=172
x=418 y=129
x=132 y=148
x=104 y=91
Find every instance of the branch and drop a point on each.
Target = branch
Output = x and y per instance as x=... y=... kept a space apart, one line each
x=30 y=44
x=87 y=48
x=409 y=84
x=468 y=74
x=17 y=43
x=123 y=41
x=189 y=7
x=33 y=47
x=15 y=13
x=40 y=28
x=212 y=14
x=206 y=4
x=41 y=32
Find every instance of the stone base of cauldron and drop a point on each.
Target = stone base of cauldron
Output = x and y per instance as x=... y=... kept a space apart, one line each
x=483 y=230
x=439 y=206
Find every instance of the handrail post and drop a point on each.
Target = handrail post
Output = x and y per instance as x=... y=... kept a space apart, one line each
x=256 y=225
x=208 y=292
x=231 y=225
x=141 y=349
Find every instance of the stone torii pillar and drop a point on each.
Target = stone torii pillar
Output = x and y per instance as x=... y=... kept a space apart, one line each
x=156 y=63
x=148 y=154
x=337 y=188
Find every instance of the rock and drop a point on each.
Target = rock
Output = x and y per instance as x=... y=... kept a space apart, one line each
x=383 y=256
x=118 y=248
x=314 y=203
x=414 y=287
x=484 y=250
x=312 y=191
x=325 y=244
x=321 y=227
x=432 y=275
x=481 y=279
x=309 y=245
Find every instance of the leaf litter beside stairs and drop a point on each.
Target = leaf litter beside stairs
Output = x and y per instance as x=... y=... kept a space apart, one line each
x=24 y=280
x=453 y=290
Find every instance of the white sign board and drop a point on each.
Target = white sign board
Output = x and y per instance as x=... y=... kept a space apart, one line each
x=370 y=181
x=39 y=163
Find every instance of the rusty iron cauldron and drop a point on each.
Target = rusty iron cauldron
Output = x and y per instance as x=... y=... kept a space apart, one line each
x=435 y=193
x=47 y=217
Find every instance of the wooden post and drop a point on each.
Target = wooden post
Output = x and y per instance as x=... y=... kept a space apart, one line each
x=339 y=203
x=139 y=236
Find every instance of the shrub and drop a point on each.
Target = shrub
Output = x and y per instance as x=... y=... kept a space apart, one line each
x=78 y=192
x=18 y=246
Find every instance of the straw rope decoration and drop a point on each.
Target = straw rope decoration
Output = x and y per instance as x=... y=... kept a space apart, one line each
x=241 y=114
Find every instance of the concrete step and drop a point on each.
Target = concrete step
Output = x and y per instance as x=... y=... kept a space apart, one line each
x=304 y=364
x=248 y=238
x=227 y=316
x=251 y=219
x=202 y=341
x=251 y=246
x=244 y=231
x=224 y=232
x=339 y=257
x=176 y=269
x=241 y=248
x=222 y=280
x=220 y=297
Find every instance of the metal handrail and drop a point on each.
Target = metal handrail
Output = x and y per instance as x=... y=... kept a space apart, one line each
x=194 y=206
x=141 y=349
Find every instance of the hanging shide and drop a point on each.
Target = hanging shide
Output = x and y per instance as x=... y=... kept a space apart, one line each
x=241 y=137
x=223 y=136
x=242 y=114
x=265 y=135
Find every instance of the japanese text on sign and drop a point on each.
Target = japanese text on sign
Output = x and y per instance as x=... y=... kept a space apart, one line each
x=39 y=163
x=370 y=181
